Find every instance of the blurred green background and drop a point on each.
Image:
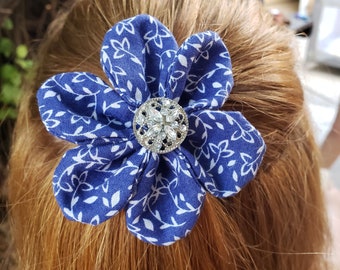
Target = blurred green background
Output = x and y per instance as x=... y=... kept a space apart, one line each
x=23 y=24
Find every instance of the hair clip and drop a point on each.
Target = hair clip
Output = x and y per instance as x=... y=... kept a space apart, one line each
x=158 y=142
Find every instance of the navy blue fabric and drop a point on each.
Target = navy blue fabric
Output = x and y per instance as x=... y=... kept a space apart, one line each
x=109 y=171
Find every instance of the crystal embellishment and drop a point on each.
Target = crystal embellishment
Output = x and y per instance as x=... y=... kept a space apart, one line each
x=160 y=125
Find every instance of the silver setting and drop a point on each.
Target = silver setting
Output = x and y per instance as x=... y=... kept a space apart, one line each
x=160 y=125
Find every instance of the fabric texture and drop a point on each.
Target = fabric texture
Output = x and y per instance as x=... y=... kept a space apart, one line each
x=109 y=171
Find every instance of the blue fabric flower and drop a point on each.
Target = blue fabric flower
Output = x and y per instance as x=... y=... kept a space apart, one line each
x=109 y=170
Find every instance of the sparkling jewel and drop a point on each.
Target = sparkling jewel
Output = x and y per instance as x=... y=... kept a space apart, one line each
x=160 y=125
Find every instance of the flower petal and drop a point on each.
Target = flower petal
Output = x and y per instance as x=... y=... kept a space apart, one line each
x=227 y=146
x=92 y=183
x=80 y=107
x=201 y=75
x=169 y=209
x=136 y=55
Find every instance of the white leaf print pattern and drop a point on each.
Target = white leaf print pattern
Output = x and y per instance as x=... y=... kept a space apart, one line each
x=109 y=171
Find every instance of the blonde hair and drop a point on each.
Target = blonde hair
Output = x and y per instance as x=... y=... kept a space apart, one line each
x=276 y=222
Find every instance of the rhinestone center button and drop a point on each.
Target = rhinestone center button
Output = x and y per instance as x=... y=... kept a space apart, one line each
x=160 y=125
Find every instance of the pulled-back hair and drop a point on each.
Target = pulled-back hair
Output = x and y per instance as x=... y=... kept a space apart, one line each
x=276 y=222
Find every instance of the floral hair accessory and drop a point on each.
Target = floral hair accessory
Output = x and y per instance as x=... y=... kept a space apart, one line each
x=155 y=144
